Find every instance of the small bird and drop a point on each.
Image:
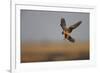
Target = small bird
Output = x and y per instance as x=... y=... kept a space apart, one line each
x=67 y=31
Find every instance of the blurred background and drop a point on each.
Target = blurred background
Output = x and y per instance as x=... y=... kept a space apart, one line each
x=42 y=39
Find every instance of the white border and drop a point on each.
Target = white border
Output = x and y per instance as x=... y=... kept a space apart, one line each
x=16 y=66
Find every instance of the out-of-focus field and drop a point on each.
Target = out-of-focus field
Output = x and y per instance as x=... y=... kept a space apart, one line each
x=54 y=51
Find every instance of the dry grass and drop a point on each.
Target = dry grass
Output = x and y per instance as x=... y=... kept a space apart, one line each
x=54 y=51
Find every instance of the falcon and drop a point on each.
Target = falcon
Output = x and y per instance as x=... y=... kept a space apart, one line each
x=67 y=30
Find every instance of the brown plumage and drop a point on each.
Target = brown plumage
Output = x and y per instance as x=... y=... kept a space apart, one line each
x=66 y=31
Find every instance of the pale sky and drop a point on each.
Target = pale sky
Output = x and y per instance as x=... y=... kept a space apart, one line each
x=45 y=25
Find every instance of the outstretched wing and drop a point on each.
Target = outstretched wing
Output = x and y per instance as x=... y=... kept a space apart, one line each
x=71 y=39
x=74 y=26
x=63 y=24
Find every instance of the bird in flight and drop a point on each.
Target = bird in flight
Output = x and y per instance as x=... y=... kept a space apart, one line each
x=67 y=30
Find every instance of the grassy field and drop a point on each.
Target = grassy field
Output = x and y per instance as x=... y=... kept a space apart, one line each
x=54 y=51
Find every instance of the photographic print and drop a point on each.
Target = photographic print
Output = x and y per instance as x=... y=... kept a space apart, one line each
x=51 y=36
x=47 y=36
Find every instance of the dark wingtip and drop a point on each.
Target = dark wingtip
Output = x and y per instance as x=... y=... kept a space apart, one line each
x=62 y=21
x=62 y=18
x=80 y=22
x=72 y=41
